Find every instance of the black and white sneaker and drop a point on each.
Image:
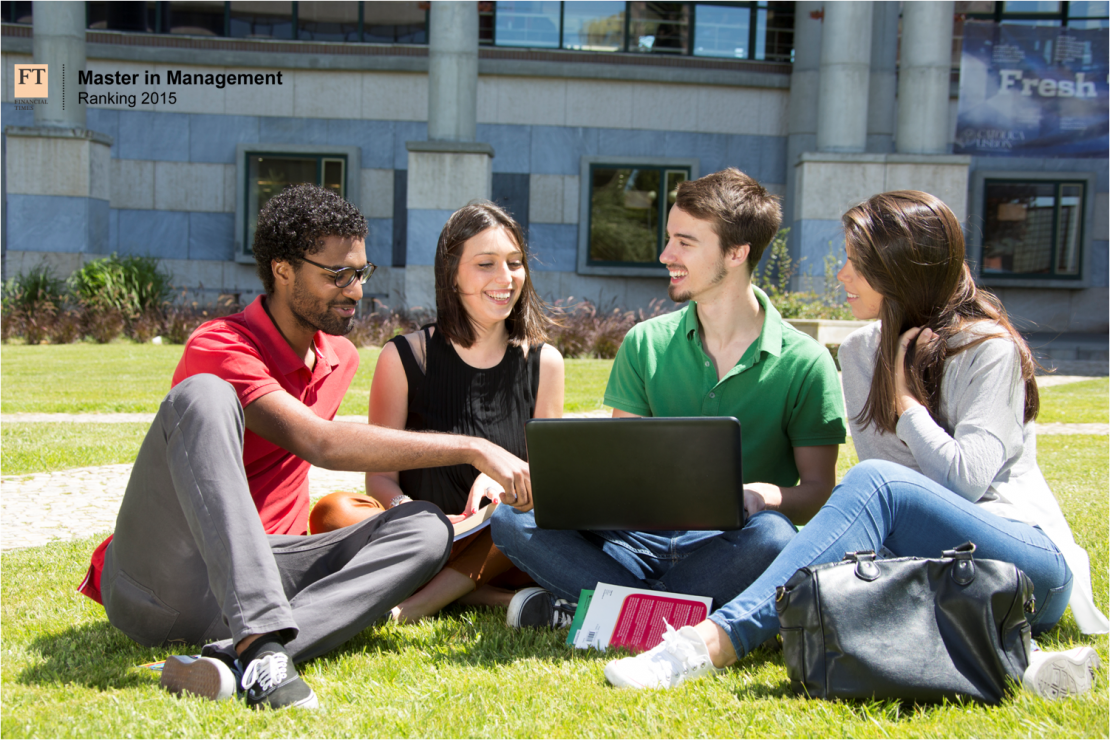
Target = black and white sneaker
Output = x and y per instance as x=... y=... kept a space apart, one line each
x=271 y=682
x=205 y=677
x=538 y=607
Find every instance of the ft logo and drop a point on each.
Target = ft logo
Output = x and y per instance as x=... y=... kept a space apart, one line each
x=31 y=81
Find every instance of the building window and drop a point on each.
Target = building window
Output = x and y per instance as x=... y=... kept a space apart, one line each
x=1032 y=229
x=20 y=12
x=371 y=22
x=739 y=30
x=265 y=170
x=623 y=220
x=1040 y=13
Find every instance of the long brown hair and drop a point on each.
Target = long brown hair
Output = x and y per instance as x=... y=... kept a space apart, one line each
x=909 y=247
x=527 y=323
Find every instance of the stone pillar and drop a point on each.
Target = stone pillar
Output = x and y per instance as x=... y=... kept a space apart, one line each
x=451 y=168
x=804 y=90
x=844 y=78
x=59 y=42
x=453 y=71
x=58 y=185
x=923 y=86
x=884 y=78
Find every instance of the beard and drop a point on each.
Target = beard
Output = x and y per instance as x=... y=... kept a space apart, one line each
x=316 y=315
x=720 y=272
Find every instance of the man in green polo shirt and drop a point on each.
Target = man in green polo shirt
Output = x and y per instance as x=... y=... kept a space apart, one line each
x=727 y=353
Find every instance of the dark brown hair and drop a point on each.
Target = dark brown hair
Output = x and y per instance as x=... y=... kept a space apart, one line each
x=741 y=210
x=909 y=247
x=527 y=323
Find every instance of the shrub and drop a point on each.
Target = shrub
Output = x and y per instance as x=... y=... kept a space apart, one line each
x=103 y=324
x=146 y=325
x=378 y=327
x=581 y=330
x=31 y=303
x=129 y=285
x=66 y=328
x=180 y=320
x=773 y=277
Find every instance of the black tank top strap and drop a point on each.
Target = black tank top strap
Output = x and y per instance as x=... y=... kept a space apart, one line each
x=534 y=371
x=413 y=373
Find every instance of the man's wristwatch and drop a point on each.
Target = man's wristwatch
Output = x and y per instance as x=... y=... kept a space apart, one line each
x=397 y=500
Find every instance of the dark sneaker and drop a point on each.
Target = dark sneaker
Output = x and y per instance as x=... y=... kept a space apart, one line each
x=538 y=607
x=271 y=682
x=204 y=677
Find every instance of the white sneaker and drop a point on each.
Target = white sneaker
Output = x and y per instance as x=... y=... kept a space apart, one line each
x=682 y=656
x=1056 y=675
x=205 y=677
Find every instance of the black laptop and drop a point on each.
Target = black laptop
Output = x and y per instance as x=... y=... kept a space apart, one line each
x=636 y=473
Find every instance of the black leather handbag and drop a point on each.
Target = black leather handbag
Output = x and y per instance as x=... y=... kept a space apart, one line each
x=906 y=628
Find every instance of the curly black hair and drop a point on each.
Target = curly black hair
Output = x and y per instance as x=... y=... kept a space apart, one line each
x=292 y=223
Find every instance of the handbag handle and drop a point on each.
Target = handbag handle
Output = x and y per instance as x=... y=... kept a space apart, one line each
x=866 y=569
x=963 y=570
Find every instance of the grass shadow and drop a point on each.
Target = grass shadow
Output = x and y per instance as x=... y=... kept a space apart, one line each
x=95 y=655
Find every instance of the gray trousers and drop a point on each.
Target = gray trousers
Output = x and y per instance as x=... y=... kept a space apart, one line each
x=190 y=561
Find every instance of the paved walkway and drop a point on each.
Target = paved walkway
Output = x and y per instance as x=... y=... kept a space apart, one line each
x=39 y=508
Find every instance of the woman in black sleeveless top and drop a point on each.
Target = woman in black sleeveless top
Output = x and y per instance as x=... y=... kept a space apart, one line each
x=482 y=370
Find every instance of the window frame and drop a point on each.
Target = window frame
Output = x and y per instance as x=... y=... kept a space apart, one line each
x=585 y=188
x=977 y=223
x=352 y=173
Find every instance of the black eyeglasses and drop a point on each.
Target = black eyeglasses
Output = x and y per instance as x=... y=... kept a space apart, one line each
x=347 y=275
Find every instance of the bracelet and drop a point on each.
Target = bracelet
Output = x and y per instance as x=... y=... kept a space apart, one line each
x=399 y=499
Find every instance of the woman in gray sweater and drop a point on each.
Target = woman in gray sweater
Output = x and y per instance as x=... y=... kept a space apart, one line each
x=941 y=400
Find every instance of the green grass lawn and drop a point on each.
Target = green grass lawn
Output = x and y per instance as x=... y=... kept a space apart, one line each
x=134 y=378
x=66 y=672
x=1087 y=401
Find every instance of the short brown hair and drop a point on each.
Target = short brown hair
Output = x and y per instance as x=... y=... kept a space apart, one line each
x=527 y=322
x=741 y=210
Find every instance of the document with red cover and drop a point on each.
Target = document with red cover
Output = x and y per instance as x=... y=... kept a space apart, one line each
x=634 y=618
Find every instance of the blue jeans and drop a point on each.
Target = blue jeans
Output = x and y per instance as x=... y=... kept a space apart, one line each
x=708 y=563
x=883 y=504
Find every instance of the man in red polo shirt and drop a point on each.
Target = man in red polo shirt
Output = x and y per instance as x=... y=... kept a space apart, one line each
x=211 y=543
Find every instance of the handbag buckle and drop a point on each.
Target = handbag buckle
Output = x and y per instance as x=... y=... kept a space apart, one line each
x=963 y=570
x=866 y=568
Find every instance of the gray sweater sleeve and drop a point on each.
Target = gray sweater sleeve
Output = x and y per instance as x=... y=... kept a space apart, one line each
x=983 y=399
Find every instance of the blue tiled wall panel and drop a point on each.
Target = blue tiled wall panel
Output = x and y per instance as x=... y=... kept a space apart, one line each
x=211 y=236
x=113 y=230
x=163 y=234
x=816 y=239
x=557 y=150
x=423 y=234
x=13 y=117
x=374 y=137
x=379 y=242
x=158 y=136
x=406 y=131
x=772 y=160
x=512 y=146
x=554 y=247
x=631 y=143
x=745 y=153
x=213 y=138
x=100 y=220
x=57 y=223
x=1100 y=264
x=283 y=130
x=710 y=149
x=106 y=122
